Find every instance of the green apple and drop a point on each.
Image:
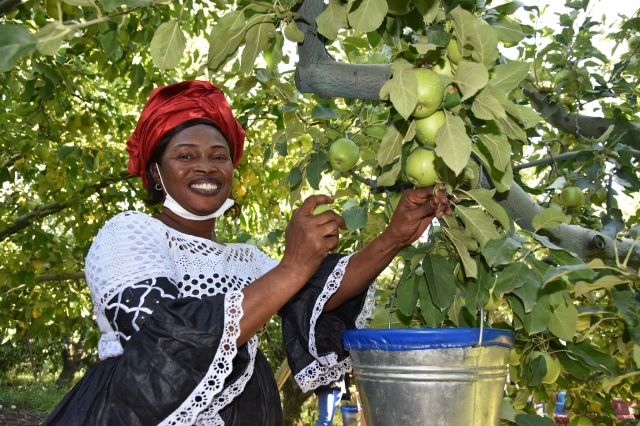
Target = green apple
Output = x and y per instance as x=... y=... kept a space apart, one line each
x=453 y=52
x=571 y=196
x=443 y=67
x=430 y=92
x=514 y=357
x=420 y=168
x=343 y=154
x=321 y=208
x=632 y=42
x=553 y=366
x=427 y=128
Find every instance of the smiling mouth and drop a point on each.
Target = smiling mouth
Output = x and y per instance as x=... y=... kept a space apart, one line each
x=205 y=186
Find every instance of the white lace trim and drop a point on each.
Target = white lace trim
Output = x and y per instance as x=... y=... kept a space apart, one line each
x=316 y=374
x=202 y=396
x=210 y=416
x=332 y=285
x=326 y=369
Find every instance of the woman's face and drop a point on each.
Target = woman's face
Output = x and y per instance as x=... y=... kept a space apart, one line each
x=197 y=169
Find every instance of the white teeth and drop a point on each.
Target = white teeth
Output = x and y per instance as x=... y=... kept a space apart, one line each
x=205 y=186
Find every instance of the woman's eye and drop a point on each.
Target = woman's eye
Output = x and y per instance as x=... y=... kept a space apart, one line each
x=185 y=156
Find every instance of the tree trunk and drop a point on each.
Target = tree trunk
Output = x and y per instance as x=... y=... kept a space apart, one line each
x=69 y=369
x=292 y=401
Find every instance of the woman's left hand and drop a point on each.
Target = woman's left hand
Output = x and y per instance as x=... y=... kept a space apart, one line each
x=415 y=212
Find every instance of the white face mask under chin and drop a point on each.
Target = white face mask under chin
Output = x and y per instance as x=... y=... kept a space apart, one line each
x=173 y=205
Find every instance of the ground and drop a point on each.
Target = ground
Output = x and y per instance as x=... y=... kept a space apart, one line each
x=20 y=417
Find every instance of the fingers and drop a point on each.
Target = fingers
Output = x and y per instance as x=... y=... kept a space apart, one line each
x=331 y=216
x=311 y=202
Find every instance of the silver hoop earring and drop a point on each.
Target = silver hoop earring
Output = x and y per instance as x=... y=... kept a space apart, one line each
x=159 y=187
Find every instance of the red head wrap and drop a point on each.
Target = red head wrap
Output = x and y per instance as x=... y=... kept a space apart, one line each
x=172 y=105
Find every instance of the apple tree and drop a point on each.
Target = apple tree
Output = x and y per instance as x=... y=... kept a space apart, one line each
x=481 y=99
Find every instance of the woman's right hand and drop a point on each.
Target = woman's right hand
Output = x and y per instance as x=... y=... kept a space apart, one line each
x=310 y=238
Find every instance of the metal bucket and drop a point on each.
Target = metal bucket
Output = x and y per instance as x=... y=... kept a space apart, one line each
x=435 y=377
x=350 y=415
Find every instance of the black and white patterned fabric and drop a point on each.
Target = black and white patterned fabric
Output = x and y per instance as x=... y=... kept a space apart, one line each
x=131 y=307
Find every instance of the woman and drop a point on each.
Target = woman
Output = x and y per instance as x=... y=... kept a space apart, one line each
x=180 y=312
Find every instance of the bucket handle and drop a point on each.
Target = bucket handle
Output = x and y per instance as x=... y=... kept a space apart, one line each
x=481 y=327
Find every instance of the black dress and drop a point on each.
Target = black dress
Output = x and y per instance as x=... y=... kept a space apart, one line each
x=170 y=344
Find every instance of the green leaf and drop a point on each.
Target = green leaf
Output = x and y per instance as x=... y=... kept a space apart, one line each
x=533 y=420
x=355 y=217
x=506 y=411
x=499 y=147
x=536 y=370
x=404 y=92
x=332 y=19
x=452 y=143
x=322 y=111
x=529 y=293
x=319 y=163
x=527 y=116
x=573 y=366
x=512 y=277
x=389 y=177
x=507 y=31
x=556 y=272
x=486 y=107
x=167 y=45
x=477 y=294
x=512 y=129
x=485 y=45
x=112 y=45
x=479 y=223
x=50 y=38
x=257 y=41
x=16 y=43
x=507 y=76
x=470 y=77
x=457 y=238
x=607 y=281
x=500 y=252
x=295 y=176
x=564 y=320
x=391 y=145
x=548 y=219
x=440 y=280
x=601 y=361
x=432 y=315
x=225 y=38
x=463 y=23
x=429 y=9
x=484 y=197
x=367 y=15
x=407 y=296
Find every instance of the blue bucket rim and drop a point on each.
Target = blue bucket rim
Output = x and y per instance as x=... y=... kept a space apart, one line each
x=405 y=339
x=350 y=408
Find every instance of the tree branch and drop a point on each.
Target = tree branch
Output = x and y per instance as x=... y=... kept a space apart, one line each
x=555 y=114
x=51 y=208
x=60 y=277
x=317 y=72
x=586 y=243
x=565 y=156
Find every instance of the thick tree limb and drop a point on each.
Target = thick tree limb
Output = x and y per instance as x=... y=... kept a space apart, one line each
x=317 y=72
x=565 y=156
x=51 y=208
x=60 y=277
x=586 y=243
x=572 y=123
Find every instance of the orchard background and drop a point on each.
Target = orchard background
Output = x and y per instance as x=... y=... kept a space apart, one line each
x=528 y=110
